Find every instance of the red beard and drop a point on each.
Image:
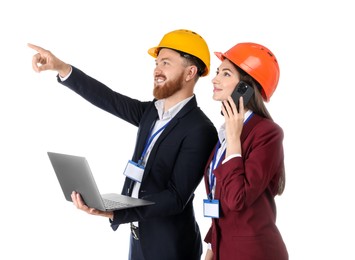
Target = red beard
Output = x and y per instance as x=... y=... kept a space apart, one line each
x=169 y=88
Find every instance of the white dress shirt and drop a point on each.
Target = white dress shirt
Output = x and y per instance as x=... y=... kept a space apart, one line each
x=164 y=118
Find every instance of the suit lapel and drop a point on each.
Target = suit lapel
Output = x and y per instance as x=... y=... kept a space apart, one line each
x=143 y=132
x=172 y=124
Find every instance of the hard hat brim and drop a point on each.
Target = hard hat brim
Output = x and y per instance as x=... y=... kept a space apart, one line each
x=220 y=55
x=153 y=52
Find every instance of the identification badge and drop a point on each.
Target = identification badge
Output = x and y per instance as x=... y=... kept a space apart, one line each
x=211 y=208
x=134 y=171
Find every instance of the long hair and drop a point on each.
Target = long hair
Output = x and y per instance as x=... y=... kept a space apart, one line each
x=257 y=105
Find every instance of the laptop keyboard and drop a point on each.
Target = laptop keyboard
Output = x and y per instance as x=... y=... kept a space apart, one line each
x=110 y=204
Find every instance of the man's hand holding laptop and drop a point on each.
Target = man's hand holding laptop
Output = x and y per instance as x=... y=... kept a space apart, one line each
x=79 y=203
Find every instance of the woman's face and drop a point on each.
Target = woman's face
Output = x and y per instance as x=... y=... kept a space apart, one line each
x=225 y=81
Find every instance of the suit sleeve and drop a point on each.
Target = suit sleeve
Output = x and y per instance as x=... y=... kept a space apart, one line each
x=186 y=173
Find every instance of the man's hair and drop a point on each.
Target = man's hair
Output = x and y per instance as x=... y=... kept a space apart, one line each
x=201 y=67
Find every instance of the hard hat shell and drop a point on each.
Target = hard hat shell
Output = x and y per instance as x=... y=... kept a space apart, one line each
x=186 y=41
x=258 y=61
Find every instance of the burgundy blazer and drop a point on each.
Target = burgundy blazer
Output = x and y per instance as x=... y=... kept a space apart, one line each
x=246 y=187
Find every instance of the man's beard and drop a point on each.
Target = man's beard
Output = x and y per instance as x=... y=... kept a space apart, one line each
x=169 y=88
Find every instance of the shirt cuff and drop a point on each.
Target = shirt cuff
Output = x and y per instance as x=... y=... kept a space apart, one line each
x=67 y=76
x=230 y=157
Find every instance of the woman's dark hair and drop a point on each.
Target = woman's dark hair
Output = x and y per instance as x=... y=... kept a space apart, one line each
x=257 y=105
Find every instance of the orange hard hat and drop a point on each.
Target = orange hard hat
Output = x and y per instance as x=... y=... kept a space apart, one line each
x=258 y=61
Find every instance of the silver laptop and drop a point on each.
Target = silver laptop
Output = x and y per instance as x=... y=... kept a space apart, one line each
x=74 y=174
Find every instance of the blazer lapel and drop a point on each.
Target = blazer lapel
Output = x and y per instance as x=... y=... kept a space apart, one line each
x=143 y=132
x=255 y=119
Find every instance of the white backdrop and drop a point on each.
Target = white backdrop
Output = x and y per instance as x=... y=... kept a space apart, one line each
x=313 y=42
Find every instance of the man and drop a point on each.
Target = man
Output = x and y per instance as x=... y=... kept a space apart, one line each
x=173 y=144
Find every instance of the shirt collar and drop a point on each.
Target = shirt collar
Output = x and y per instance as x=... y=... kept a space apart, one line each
x=159 y=105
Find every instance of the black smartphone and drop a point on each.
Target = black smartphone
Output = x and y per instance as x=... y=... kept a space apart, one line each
x=244 y=90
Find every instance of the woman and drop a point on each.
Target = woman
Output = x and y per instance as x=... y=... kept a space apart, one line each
x=246 y=170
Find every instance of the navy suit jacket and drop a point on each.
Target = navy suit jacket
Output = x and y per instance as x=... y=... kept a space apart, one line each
x=167 y=229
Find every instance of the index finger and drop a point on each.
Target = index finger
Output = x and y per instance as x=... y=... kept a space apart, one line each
x=36 y=48
x=241 y=104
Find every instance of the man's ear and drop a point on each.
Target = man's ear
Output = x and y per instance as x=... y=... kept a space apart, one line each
x=191 y=73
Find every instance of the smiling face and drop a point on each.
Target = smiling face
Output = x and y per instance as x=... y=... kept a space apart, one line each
x=225 y=81
x=169 y=73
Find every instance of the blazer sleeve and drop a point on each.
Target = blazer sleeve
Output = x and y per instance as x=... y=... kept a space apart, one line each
x=244 y=179
x=208 y=237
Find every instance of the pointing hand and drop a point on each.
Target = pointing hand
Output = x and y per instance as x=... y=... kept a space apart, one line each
x=45 y=60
